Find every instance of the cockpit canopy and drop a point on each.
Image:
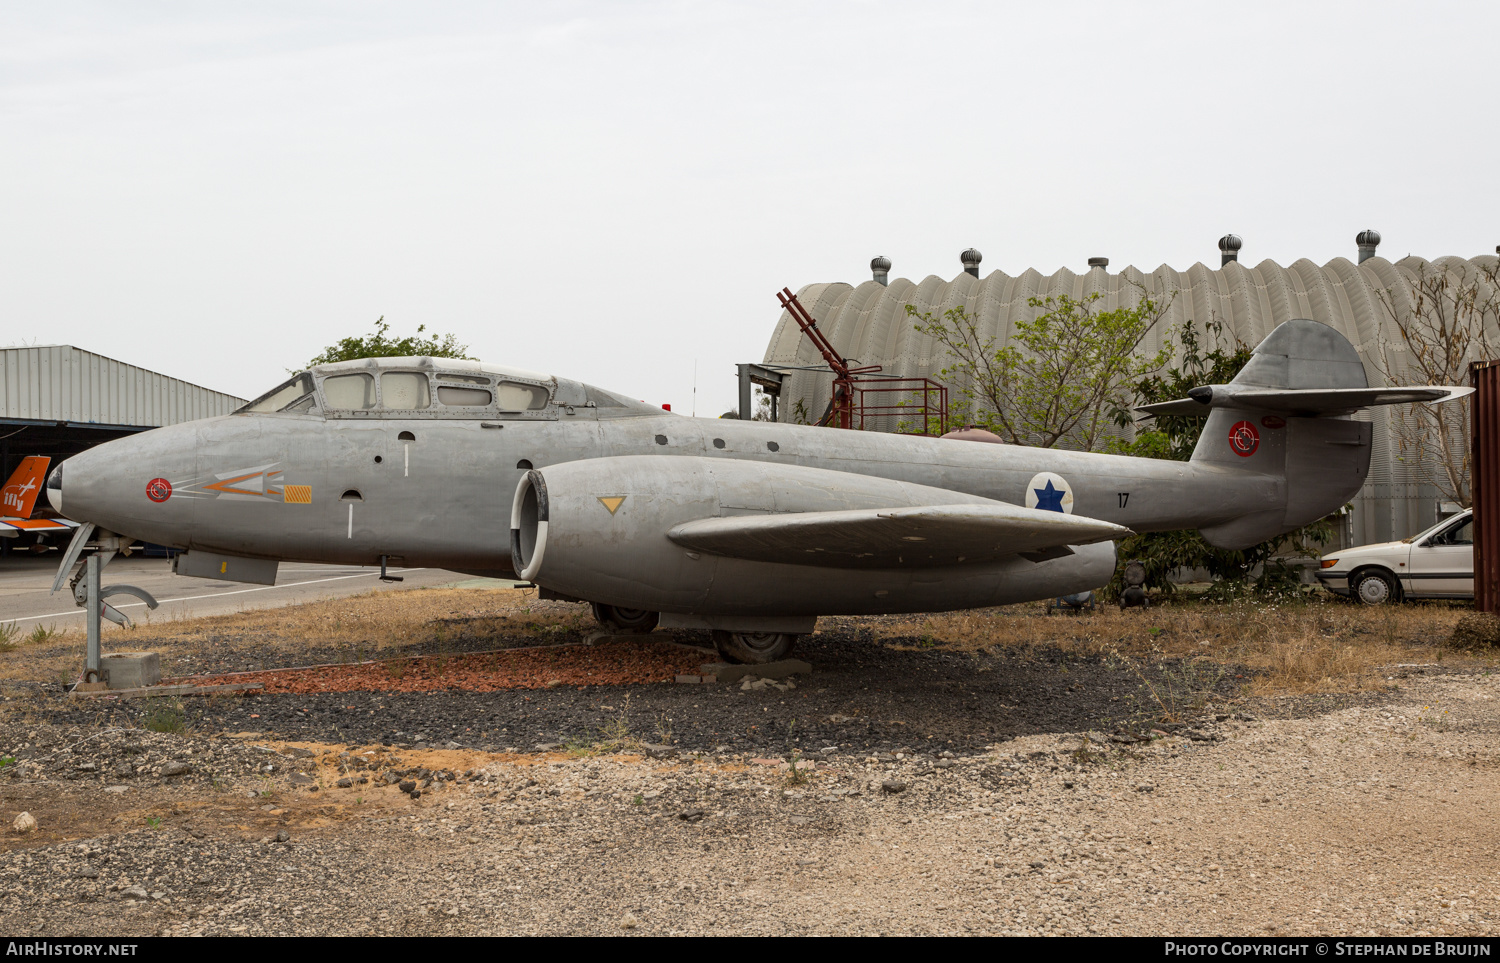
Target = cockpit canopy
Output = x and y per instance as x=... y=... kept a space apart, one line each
x=428 y=388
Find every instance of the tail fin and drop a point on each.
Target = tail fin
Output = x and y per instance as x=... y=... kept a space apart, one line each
x=25 y=484
x=1286 y=415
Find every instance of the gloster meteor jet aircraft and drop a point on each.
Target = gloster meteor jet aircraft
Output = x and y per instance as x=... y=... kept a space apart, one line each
x=748 y=529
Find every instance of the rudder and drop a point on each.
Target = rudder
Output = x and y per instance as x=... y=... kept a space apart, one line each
x=24 y=485
x=1319 y=459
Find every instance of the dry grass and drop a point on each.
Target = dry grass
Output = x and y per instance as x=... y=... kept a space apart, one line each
x=1298 y=647
x=375 y=625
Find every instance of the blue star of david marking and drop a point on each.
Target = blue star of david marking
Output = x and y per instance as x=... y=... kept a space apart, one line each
x=1049 y=499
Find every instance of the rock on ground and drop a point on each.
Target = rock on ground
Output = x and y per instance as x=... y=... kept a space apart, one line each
x=1377 y=818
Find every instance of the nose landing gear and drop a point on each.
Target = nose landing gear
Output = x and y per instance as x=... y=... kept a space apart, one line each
x=90 y=595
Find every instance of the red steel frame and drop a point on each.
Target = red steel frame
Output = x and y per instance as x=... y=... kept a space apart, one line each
x=849 y=392
x=932 y=415
x=1484 y=482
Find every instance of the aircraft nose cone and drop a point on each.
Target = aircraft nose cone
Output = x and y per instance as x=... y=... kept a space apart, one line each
x=54 y=489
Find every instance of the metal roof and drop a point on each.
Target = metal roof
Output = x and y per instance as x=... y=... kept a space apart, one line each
x=60 y=383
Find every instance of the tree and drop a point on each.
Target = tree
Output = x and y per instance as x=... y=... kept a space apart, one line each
x=378 y=345
x=761 y=406
x=1174 y=437
x=1062 y=376
x=1453 y=319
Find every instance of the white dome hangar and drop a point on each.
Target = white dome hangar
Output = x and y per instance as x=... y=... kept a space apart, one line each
x=868 y=323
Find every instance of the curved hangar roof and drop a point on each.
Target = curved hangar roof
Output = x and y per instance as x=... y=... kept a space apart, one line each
x=868 y=322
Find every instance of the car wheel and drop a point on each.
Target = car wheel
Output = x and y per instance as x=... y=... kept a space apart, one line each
x=1376 y=588
x=753 y=648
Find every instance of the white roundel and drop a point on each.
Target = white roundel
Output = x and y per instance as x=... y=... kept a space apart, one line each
x=1050 y=492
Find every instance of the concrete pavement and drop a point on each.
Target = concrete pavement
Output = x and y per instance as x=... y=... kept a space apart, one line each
x=24 y=585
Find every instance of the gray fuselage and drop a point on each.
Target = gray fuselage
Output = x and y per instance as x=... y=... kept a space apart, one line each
x=438 y=492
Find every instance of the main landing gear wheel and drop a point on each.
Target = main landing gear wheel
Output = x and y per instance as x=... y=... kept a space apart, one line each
x=1376 y=588
x=753 y=648
x=625 y=621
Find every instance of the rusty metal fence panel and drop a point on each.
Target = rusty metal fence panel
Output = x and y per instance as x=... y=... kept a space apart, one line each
x=1484 y=376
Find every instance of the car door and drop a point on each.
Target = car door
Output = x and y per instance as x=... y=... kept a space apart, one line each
x=1442 y=564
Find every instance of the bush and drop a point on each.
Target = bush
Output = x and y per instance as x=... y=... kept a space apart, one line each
x=164 y=716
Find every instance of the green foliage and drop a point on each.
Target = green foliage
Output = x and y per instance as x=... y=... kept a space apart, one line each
x=1061 y=378
x=164 y=715
x=7 y=761
x=11 y=638
x=380 y=345
x=1174 y=437
x=43 y=633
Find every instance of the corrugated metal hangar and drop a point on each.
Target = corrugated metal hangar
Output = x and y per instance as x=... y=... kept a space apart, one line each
x=58 y=400
x=868 y=322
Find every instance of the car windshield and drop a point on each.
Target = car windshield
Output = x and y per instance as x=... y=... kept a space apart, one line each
x=284 y=396
x=1460 y=534
x=1440 y=525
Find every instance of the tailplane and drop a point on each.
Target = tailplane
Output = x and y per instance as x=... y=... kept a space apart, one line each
x=1286 y=415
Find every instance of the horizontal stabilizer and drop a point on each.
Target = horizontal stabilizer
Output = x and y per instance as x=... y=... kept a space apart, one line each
x=924 y=536
x=1300 y=401
x=16 y=525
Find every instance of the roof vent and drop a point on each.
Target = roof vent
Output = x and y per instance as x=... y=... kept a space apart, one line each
x=1367 y=241
x=1098 y=262
x=880 y=269
x=971 y=259
x=1229 y=248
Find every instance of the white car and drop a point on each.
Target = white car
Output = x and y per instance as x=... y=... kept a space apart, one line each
x=1436 y=564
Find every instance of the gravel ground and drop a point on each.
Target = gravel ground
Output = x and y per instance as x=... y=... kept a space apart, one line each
x=1374 y=819
x=899 y=788
x=862 y=695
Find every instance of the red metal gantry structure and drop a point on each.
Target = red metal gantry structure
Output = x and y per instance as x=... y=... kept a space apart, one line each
x=849 y=407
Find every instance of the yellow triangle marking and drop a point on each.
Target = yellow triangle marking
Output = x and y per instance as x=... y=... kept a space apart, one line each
x=612 y=502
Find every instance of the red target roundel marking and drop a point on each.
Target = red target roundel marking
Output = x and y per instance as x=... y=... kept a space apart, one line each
x=158 y=489
x=1244 y=439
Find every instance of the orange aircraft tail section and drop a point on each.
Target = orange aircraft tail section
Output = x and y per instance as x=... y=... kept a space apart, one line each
x=24 y=486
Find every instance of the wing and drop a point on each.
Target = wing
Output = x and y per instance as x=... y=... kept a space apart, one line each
x=926 y=536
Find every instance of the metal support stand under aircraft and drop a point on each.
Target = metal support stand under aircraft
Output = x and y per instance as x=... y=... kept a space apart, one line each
x=90 y=595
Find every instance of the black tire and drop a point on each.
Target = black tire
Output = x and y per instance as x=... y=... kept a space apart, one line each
x=753 y=648
x=1374 y=587
x=625 y=621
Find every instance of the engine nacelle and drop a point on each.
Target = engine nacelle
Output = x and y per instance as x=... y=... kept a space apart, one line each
x=597 y=530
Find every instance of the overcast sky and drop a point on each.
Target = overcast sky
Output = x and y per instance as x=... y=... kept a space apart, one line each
x=615 y=191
